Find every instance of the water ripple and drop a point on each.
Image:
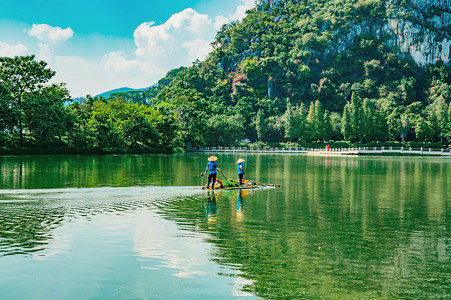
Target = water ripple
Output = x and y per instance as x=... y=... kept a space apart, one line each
x=28 y=218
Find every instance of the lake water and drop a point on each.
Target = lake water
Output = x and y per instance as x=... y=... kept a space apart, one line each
x=135 y=227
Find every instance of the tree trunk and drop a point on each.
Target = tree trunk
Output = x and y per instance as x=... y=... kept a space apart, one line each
x=20 y=132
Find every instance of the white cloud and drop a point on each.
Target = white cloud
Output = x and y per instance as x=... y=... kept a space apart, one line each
x=219 y=21
x=183 y=38
x=240 y=12
x=12 y=50
x=197 y=49
x=166 y=41
x=45 y=53
x=116 y=61
x=49 y=34
x=95 y=75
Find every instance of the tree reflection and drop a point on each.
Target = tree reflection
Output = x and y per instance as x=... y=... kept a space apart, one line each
x=375 y=228
x=26 y=228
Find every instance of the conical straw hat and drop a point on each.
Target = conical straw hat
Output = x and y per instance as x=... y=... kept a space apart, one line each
x=212 y=158
x=240 y=160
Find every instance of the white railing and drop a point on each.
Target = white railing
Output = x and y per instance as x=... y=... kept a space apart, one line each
x=358 y=150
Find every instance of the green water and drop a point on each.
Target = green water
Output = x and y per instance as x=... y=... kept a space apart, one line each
x=133 y=227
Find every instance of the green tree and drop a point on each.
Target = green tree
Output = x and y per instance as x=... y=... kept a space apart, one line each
x=346 y=123
x=438 y=118
x=316 y=121
x=327 y=126
x=189 y=112
x=20 y=76
x=45 y=113
x=116 y=126
x=260 y=126
x=8 y=113
x=336 y=125
x=423 y=130
x=224 y=130
x=293 y=123
x=404 y=126
x=373 y=125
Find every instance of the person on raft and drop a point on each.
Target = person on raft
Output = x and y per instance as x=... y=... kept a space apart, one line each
x=240 y=168
x=212 y=167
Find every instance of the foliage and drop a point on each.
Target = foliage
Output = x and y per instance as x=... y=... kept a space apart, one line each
x=19 y=77
x=45 y=114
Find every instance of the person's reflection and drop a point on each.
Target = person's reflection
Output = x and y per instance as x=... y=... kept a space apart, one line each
x=239 y=206
x=210 y=208
x=239 y=202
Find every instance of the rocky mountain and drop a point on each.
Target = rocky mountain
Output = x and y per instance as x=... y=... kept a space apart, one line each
x=421 y=29
x=424 y=32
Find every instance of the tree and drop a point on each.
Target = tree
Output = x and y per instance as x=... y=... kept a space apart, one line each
x=8 y=113
x=327 y=126
x=373 y=123
x=20 y=76
x=224 y=130
x=316 y=121
x=260 y=126
x=346 y=123
x=189 y=111
x=423 y=130
x=438 y=117
x=45 y=114
x=404 y=127
x=292 y=124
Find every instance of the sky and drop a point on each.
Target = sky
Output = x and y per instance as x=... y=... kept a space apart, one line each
x=99 y=45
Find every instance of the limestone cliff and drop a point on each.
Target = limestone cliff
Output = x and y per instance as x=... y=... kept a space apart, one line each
x=421 y=29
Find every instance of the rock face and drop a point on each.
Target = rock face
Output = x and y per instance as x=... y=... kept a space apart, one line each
x=425 y=34
x=421 y=29
x=422 y=45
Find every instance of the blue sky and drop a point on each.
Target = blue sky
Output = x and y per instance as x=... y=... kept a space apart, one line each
x=98 y=45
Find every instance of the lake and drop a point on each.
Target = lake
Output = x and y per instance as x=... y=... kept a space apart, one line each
x=136 y=227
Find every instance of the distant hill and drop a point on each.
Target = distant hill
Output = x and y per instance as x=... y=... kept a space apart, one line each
x=118 y=90
x=122 y=90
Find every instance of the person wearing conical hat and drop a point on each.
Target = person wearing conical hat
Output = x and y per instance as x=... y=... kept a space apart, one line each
x=212 y=167
x=240 y=168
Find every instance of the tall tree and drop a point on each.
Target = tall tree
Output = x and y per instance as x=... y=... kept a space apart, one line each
x=20 y=76
x=315 y=119
x=260 y=126
x=346 y=123
x=438 y=117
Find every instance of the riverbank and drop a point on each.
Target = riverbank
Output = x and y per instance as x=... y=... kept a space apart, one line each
x=61 y=149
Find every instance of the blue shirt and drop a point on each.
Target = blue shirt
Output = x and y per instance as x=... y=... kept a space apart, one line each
x=211 y=167
x=240 y=168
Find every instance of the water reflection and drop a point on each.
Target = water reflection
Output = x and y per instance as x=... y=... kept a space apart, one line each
x=29 y=217
x=338 y=228
x=240 y=202
x=210 y=207
x=115 y=238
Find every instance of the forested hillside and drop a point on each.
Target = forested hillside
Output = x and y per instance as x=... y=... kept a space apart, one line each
x=312 y=71
x=318 y=70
